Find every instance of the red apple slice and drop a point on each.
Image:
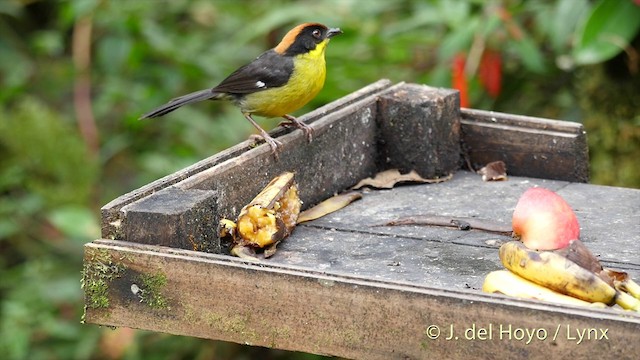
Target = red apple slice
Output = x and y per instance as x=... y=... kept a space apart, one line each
x=544 y=221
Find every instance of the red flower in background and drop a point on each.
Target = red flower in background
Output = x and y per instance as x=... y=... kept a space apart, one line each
x=490 y=72
x=459 y=79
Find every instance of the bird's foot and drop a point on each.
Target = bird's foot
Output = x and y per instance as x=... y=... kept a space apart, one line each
x=292 y=121
x=273 y=143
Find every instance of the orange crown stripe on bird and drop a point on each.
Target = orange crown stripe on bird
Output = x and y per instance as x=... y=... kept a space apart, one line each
x=291 y=36
x=276 y=83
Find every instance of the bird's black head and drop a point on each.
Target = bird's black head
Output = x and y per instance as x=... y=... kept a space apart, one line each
x=304 y=38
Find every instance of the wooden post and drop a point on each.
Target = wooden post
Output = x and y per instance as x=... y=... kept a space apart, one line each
x=419 y=129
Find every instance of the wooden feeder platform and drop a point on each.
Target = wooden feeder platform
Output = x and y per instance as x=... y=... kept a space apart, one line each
x=347 y=284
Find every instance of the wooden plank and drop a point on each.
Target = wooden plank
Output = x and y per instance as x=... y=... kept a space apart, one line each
x=532 y=147
x=112 y=217
x=219 y=297
x=344 y=150
x=405 y=126
x=351 y=240
x=375 y=291
x=341 y=153
x=608 y=216
x=174 y=217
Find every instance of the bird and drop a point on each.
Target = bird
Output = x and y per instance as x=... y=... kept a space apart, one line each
x=276 y=83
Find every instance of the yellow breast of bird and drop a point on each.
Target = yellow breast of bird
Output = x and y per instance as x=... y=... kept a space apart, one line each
x=305 y=83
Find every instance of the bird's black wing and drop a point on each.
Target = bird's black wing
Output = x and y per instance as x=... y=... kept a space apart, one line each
x=268 y=70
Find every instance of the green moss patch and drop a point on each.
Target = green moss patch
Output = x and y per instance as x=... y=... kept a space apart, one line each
x=98 y=271
x=150 y=293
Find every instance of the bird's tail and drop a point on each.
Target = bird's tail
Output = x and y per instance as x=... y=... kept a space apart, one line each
x=180 y=101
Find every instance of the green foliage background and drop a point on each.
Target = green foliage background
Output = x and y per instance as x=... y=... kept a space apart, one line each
x=70 y=67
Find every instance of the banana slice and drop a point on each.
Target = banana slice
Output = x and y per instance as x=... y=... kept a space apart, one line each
x=269 y=218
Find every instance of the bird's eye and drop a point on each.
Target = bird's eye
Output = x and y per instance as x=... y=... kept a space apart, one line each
x=316 y=33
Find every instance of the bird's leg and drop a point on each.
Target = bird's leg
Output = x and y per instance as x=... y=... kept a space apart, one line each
x=273 y=143
x=292 y=121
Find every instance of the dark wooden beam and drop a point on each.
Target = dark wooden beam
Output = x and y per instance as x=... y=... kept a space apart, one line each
x=533 y=147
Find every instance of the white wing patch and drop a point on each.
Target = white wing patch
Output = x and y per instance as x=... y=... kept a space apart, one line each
x=260 y=84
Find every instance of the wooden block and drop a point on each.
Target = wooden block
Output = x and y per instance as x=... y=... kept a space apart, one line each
x=529 y=146
x=420 y=130
x=174 y=217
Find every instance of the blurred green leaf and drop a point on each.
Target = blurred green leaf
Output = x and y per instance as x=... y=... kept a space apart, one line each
x=454 y=13
x=529 y=54
x=44 y=144
x=113 y=52
x=458 y=39
x=15 y=67
x=48 y=43
x=564 y=18
x=12 y=8
x=610 y=27
x=146 y=52
x=75 y=222
x=83 y=7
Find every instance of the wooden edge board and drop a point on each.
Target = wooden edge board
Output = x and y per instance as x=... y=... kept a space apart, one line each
x=521 y=120
x=111 y=217
x=529 y=146
x=240 y=148
x=186 y=214
x=220 y=297
x=343 y=151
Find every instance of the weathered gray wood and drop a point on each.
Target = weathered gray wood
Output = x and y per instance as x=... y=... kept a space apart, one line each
x=529 y=146
x=297 y=308
x=419 y=129
x=406 y=126
x=174 y=217
x=355 y=243
x=341 y=285
x=112 y=216
x=342 y=152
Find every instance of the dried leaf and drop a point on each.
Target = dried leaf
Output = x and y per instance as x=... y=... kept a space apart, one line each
x=577 y=252
x=494 y=171
x=389 y=178
x=328 y=206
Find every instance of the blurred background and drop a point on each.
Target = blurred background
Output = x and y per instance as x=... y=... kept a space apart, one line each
x=75 y=75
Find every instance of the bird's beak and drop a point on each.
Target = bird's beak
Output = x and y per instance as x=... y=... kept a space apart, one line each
x=333 y=32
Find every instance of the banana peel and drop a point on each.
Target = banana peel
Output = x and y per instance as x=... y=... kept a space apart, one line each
x=272 y=215
x=267 y=220
x=507 y=283
x=557 y=272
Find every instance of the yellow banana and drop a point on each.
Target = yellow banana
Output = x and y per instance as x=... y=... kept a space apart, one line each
x=623 y=282
x=556 y=272
x=507 y=283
